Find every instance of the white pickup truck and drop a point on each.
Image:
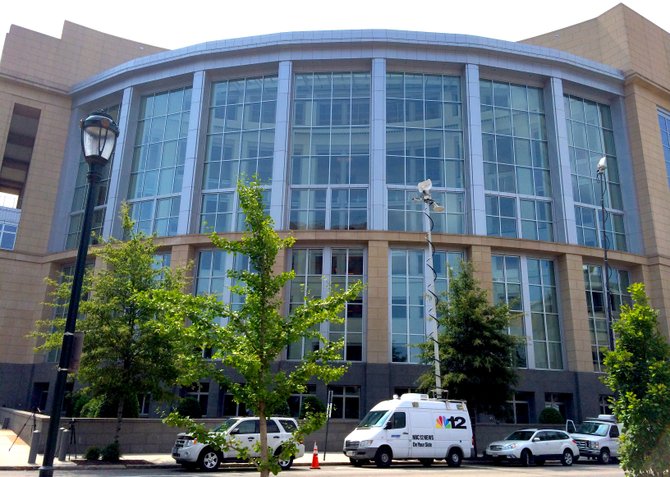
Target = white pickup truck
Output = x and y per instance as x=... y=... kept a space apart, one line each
x=597 y=438
x=244 y=432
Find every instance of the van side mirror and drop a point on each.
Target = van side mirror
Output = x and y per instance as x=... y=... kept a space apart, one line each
x=388 y=425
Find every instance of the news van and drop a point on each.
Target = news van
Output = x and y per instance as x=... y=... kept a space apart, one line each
x=412 y=426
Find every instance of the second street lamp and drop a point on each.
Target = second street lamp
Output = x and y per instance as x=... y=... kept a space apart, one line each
x=98 y=140
x=600 y=172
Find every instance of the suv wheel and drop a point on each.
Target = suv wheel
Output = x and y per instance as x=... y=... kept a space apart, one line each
x=604 y=457
x=566 y=458
x=209 y=459
x=526 y=458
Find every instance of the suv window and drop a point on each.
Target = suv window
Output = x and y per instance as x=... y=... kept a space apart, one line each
x=288 y=425
x=543 y=436
x=273 y=428
x=247 y=427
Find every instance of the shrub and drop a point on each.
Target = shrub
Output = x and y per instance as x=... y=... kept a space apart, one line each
x=111 y=452
x=92 y=453
x=549 y=415
x=189 y=407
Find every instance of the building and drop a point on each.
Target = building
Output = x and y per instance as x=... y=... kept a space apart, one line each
x=341 y=126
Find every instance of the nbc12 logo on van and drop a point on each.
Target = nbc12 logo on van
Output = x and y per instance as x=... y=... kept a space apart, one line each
x=451 y=422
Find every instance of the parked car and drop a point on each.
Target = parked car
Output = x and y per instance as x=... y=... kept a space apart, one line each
x=597 y=438
x=245 y=432
x=535 y=446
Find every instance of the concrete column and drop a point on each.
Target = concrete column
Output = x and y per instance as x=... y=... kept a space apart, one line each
x=189 y=204
x=565 y=227
x=576 y=336
x=377 y=327
x=377 y=217
x=474 y=162
x=281 y=157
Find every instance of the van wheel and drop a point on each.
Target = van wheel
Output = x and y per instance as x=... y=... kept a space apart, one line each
x=526 y=458
x=426 y=462
x=209 y=459
x=454 y=458
x=383 y=457
x=566 y=458
x=604 y=457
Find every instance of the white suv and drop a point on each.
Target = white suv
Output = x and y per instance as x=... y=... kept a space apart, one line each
x=245 y=433
x=535 y=446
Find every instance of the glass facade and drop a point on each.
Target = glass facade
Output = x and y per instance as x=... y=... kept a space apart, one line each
x=157 y=169
x=407 y=305
x=330 y=151
x=619 y=281
x=528 y=287
x=240 y=144
x=317 y=271
x=591 y=137
x=424 y=140
x=516 y=161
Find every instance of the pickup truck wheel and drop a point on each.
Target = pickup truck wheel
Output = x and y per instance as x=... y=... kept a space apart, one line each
x=383 y=457
x=454 y=458
x=604 y=457
x=209 y=460
x=566 y=458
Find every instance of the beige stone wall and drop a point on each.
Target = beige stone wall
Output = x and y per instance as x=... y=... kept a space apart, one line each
x=59 y=63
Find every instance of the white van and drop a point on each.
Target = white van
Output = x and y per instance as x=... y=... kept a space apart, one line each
x=412 y=426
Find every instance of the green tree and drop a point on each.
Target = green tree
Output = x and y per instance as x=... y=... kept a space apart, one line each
x=131 y=346
x=475 y=348
x=638 y=371
x=257 y=332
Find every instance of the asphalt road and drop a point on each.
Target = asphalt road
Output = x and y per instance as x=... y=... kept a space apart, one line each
x=406 y=470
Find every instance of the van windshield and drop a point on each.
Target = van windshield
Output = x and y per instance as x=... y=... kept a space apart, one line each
x=373 y=419
x=593 y=428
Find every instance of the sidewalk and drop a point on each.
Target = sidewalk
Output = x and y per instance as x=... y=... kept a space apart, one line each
x=14 y=455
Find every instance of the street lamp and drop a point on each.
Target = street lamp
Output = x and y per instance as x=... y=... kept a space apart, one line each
x=600 y=173
x=431 y=297
x=98 y=139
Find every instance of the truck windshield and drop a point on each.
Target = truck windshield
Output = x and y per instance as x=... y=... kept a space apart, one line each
x=593 y=428
x=225 y=425
x=373 y=419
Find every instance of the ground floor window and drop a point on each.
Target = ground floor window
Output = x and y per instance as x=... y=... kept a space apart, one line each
x=346 y=402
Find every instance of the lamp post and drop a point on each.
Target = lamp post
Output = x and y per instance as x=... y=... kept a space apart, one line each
x=98 y=139
x=431 y=297
x=600 y=173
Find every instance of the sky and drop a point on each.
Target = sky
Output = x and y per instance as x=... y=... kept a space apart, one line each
x=179 y=24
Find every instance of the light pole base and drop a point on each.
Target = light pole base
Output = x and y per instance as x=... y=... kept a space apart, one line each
x=46 y=471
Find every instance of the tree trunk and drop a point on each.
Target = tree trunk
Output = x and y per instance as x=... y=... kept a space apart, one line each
x=263 y=427
x=119 y=418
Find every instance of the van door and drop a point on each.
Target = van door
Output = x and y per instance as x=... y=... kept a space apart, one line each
x=397 y=435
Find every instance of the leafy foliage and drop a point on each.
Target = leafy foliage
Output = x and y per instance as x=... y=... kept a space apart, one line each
x=257 y=332
x=131 y=346
x=475 y=347
x=550 y=415
x=638 y=371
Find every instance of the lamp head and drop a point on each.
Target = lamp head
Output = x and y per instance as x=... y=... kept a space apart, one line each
x=602 y=165
x=425 y=186
x=98 y=137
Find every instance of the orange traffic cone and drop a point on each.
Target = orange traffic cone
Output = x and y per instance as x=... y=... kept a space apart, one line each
x=315 y=458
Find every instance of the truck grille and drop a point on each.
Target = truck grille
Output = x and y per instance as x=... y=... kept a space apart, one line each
x=582 y=444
